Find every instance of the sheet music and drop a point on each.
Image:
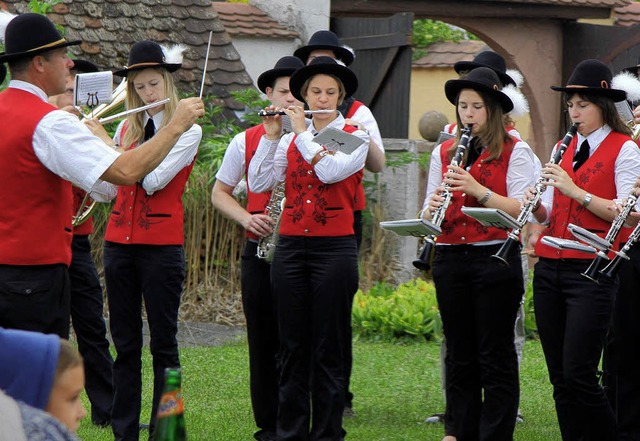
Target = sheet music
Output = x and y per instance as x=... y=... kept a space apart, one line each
x=338 y=140
x=412 y=227
x=567 y=244
x=93 y=89
x=492 y=217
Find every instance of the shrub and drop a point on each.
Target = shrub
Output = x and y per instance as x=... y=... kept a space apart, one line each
x=385 y=313
x=411 y=310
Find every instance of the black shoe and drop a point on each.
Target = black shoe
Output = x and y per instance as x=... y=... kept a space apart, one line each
x=348 y=412
x=101 y=424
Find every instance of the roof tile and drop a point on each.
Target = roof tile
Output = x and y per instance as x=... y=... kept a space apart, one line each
x=245 y=20
x=446 y=54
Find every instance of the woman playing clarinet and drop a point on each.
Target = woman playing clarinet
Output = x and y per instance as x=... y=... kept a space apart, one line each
x=572 y=312
x=478 y=297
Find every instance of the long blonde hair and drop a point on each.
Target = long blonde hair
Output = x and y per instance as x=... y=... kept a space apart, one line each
x=135 y=130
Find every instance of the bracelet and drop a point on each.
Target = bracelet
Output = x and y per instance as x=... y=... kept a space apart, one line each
x=485 y=198
x=587 y=200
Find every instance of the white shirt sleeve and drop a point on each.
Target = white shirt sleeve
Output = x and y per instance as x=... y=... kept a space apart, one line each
x=339 y=166
x=104 y=191
x=365 y=117
x=232 y=168
x=521 y=172
x=627 y=168
x=68 y=148
x=434 y=178
x=268 y=164
x=181 y=155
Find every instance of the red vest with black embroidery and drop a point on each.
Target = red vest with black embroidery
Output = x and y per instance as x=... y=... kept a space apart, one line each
x=457 y=227
x=256 y=202
x=157 y=219
x=361 y=197
x=595 y=176
x=86 y=227
x=314 y=208
x=35 y=225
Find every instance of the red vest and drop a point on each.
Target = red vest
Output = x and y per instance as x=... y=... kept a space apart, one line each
x=457 y=227
x=157 y=219
x=86 y=227
x=595 y=176
x=256 y=202
x=35 y=224
x=314 y=208
x=361 y=197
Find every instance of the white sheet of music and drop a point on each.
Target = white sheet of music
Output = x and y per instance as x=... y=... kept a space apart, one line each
x=338 y=140
x=92 y=89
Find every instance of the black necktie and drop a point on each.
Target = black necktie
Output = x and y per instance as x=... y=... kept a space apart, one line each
x=149 y=130
x=581 y=156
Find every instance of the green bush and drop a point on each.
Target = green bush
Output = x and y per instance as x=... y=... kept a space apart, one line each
x=385 y=313
x=411 y=310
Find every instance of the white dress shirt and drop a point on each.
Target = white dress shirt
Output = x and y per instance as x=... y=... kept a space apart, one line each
x=67 y=147
x=182 y=154
x=627 y=167
x=231 y=170
x=365 y=117
x=269 y=164
x=521 y=172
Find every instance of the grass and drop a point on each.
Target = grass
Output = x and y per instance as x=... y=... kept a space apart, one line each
x=396 y=387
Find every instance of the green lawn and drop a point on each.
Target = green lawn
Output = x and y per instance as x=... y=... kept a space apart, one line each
x=396 y=387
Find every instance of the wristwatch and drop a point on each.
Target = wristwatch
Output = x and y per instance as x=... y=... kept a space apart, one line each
x=587 y=199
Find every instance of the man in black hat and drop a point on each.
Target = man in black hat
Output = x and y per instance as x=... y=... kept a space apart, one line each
x=87 y=304
x=257 y=300
x=46 y=149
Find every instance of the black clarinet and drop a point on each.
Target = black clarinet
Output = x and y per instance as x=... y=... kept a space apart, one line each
x=423 y=262
x=513 y=237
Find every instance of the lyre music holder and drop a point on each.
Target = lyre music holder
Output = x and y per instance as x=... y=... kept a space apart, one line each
x=492 y=217
x=412 y=227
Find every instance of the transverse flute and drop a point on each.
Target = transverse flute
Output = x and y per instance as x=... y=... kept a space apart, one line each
x=281 y=112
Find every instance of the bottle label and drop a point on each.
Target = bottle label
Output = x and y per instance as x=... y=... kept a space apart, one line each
x=170 y=404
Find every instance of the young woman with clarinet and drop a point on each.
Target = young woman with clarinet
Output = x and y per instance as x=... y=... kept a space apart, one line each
x=478 y=297
x=572 y=312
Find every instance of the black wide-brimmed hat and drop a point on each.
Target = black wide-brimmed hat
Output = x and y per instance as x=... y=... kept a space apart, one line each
x=3 y=72
x=284 y=67
x=84 y=66
x=31 y=34
x=592 y=77
x=325 y=40
x=480 y=79
x=490 y=59
x=633 y=70
x=327 y=66
x=145 y=54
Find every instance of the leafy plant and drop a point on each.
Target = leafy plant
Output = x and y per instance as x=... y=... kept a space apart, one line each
x=385 y=313
x=428 y=31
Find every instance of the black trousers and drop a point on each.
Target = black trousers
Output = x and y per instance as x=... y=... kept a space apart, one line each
x=314 y=280
x=87 y=317
x=478 y=300
x=626 y=326
x=259 y=308
x=35 y=298
x=154 y=273
x=573 y=315
x=348 y=355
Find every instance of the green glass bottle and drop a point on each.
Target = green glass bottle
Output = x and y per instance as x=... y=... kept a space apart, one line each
x=170 y=425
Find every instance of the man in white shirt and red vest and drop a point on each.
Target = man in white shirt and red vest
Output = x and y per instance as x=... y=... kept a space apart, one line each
x=258 y=302
x=42 y=152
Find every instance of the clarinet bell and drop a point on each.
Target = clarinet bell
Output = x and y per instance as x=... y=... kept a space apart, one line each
x=592 y=273
x=423 y=262
x=611 y=270
x=503 y=253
